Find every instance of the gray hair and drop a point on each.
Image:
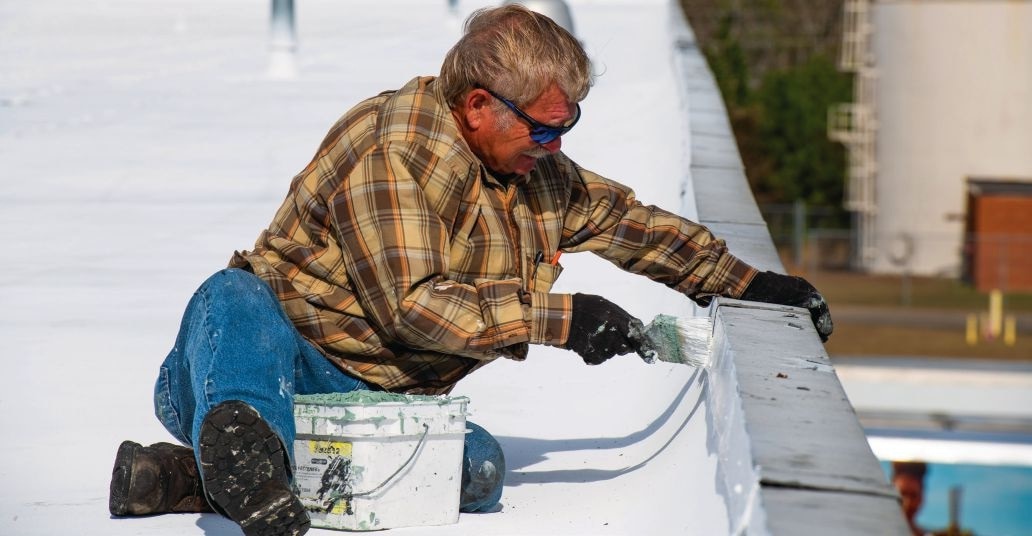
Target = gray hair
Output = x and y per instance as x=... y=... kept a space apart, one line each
x=517 y=53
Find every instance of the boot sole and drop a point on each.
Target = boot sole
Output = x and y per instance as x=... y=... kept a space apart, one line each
x=122 y=479
x=244 y=472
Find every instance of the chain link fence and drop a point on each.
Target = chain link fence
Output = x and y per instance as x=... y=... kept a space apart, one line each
x=814 y=239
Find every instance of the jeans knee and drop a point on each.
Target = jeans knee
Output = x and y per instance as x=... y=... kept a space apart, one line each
x=483 y=471
x=232 y=283
x=239 y=296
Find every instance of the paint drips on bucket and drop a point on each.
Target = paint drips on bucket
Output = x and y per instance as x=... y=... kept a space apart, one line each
x=365 y=398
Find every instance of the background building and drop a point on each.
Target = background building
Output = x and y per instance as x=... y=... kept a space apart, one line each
x=940 y=138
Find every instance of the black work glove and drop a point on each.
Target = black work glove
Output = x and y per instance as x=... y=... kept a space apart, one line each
x=771 y=287
x=600 y=329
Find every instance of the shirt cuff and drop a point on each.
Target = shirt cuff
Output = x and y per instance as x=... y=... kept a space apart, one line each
x=503 y=304
x=729 y=278
x=550 y=318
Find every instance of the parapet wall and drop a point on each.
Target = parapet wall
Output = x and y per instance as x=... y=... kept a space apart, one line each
x=793 y=459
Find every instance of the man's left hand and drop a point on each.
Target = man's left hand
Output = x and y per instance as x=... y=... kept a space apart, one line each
x=771 y=287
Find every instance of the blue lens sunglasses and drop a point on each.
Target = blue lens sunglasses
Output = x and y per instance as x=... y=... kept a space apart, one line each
x=539 y=132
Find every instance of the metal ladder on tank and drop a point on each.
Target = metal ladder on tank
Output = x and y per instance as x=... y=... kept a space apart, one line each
x=854 y=124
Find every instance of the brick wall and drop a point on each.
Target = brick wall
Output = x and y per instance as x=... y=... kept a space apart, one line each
x=1000 y=241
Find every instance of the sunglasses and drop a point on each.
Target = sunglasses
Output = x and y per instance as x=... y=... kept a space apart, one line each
x=539 y=132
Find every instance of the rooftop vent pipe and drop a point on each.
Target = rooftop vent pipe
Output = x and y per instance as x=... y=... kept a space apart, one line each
x=283 y=40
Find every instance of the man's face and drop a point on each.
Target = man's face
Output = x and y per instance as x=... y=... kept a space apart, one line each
x=503 y=142
x=911 y=490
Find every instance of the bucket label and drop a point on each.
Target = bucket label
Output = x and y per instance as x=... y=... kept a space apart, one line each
x=324 y=475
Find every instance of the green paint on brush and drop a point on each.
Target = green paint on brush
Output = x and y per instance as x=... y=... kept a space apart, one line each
x=664 y=336
x=677 y=340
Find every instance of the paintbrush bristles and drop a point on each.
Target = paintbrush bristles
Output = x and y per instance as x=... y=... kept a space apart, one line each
x=678 y=340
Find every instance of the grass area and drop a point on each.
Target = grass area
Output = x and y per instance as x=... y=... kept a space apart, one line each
x=860 y=335
x=852 y=339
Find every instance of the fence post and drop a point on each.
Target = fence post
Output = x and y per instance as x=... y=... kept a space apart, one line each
x=815 y=254
x=798 y=230
x=856 y=243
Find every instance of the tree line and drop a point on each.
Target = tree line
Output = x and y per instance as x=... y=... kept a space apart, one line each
x=775 y=63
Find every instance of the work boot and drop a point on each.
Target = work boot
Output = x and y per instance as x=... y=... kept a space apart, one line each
x=158 y=479
x=245 y=473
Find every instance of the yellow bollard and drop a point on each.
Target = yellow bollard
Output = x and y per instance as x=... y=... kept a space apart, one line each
x=995 y=314
x=971 y=334
x=1010 y=330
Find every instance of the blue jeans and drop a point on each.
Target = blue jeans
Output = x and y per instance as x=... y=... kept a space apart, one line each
x=236 y=343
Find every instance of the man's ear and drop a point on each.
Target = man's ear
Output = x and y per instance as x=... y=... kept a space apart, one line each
x=475 y=106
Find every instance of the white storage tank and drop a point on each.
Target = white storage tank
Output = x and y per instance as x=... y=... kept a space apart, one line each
x=953 y=103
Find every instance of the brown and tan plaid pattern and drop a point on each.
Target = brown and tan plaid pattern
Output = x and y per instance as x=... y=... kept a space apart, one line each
x=409 y=266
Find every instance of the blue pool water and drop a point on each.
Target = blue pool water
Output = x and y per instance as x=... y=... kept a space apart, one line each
x=996 y=499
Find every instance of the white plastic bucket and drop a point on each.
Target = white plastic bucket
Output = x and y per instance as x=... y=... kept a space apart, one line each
x=371 y=461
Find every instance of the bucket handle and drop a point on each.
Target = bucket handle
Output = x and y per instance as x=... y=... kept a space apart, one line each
x=426 y=430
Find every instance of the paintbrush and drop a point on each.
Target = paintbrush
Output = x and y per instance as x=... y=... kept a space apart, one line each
x=677 y=340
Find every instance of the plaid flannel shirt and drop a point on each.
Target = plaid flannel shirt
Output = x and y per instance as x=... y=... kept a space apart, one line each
x=408 y=265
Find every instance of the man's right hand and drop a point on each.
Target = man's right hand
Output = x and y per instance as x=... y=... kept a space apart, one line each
x=600 y=329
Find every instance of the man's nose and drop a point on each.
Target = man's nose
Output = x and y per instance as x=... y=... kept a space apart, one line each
x=553 y=146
